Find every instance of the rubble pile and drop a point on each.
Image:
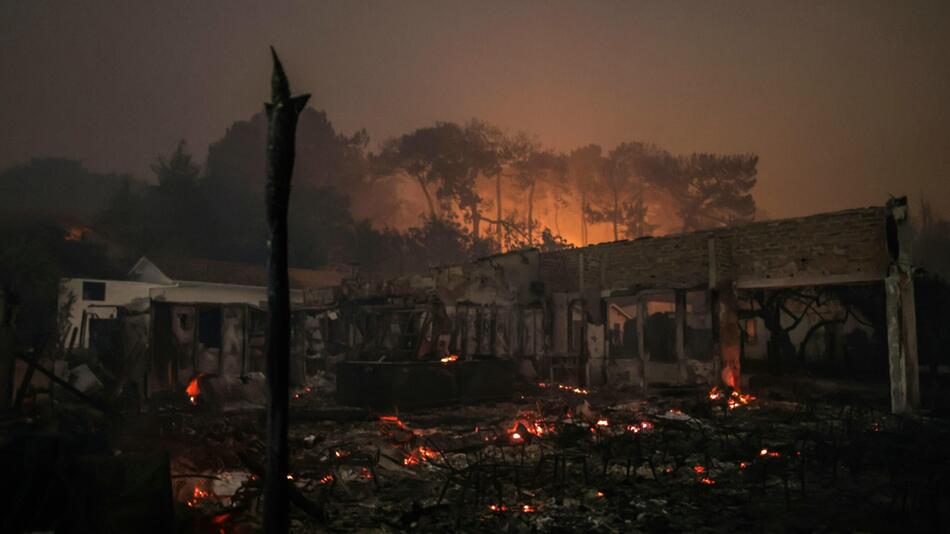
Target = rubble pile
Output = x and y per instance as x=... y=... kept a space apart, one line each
x=566 y=458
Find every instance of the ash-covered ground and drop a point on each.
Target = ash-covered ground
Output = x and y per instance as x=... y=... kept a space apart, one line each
x=559 y=459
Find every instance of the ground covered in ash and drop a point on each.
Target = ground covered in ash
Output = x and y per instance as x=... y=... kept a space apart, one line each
x=559 y=459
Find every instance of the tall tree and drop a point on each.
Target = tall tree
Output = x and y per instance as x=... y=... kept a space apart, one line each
x=584 y=164
x=482 y=154
x=177 y=171
x=710 y=189
x=538 y=170
x=445 y=160
x=429 y=156
x=619 y=187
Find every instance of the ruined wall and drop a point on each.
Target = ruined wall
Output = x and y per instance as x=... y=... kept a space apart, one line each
x=809 y=250
x=678 y=261
x=824 y=248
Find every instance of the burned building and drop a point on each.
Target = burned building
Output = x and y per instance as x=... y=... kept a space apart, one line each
x=673 y=310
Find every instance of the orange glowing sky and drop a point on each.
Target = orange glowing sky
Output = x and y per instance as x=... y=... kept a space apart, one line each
x=845 y=102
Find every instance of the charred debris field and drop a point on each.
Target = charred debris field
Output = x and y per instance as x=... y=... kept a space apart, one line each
x=553 y=459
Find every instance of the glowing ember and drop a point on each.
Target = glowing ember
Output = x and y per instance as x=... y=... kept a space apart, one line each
x=644 y=425
x=197 y=496
x=528 y=509
x=497 y=507
x=450 y=358
x=600 y=494
x=290 y=477
x=763 y=452
x=699 y=469
x=392 y=419
x=420 y=454
x=516 y=436
x=733 y=400
x=327 y=479
x=562 y=387
x=602 y=422
x=708 y=481
x=743 y=465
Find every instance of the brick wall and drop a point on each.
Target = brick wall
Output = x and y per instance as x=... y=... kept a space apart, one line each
x=841 y=243
x=831 y=244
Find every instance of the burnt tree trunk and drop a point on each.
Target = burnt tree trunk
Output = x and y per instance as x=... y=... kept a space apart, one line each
x=282 y=113
x=498 y=211
x=531 y=213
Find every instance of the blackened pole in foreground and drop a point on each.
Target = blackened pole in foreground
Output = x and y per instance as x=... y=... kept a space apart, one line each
x=282 y=113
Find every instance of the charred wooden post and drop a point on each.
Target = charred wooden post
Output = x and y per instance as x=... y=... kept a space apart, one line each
x=282 y=113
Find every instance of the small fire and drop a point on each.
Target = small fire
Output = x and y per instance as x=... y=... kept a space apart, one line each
x=644 y=425
x=420 y=454
x=562 y=387
x=708 y=481
x=393 y=419
x=197 y=496
x=743 y=465
x=193 y=390
x=450 y=358
x=699 y=469
x=600 y=494
x=497 y=507
x=528 y=509
x=326 y=479
x=733 y=400
x=602 y=422
x=76 y=233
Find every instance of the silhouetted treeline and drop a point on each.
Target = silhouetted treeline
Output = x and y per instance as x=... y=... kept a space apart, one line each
x=440 y=194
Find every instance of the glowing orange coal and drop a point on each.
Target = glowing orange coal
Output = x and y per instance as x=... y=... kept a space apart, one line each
x=733 y=400
x=450 y=358
x=197 y=496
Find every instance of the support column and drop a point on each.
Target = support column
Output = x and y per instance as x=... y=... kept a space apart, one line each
x=901 y=314
x=902 y=342
x=729 y=338
x=726 y=318
x=681 y=334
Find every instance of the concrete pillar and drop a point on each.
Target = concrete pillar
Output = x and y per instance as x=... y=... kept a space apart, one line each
x=901 y=314
x=902 y=342
x=681 y=334
x=729 y=337
x=726 y=320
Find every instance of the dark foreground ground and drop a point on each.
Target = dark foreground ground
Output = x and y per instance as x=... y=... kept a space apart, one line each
x=554 y=460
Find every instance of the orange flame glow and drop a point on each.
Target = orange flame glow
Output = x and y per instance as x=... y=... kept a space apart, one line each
x=197 y=496
x=450 y=358
x=734 y=400
x=193 y=390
